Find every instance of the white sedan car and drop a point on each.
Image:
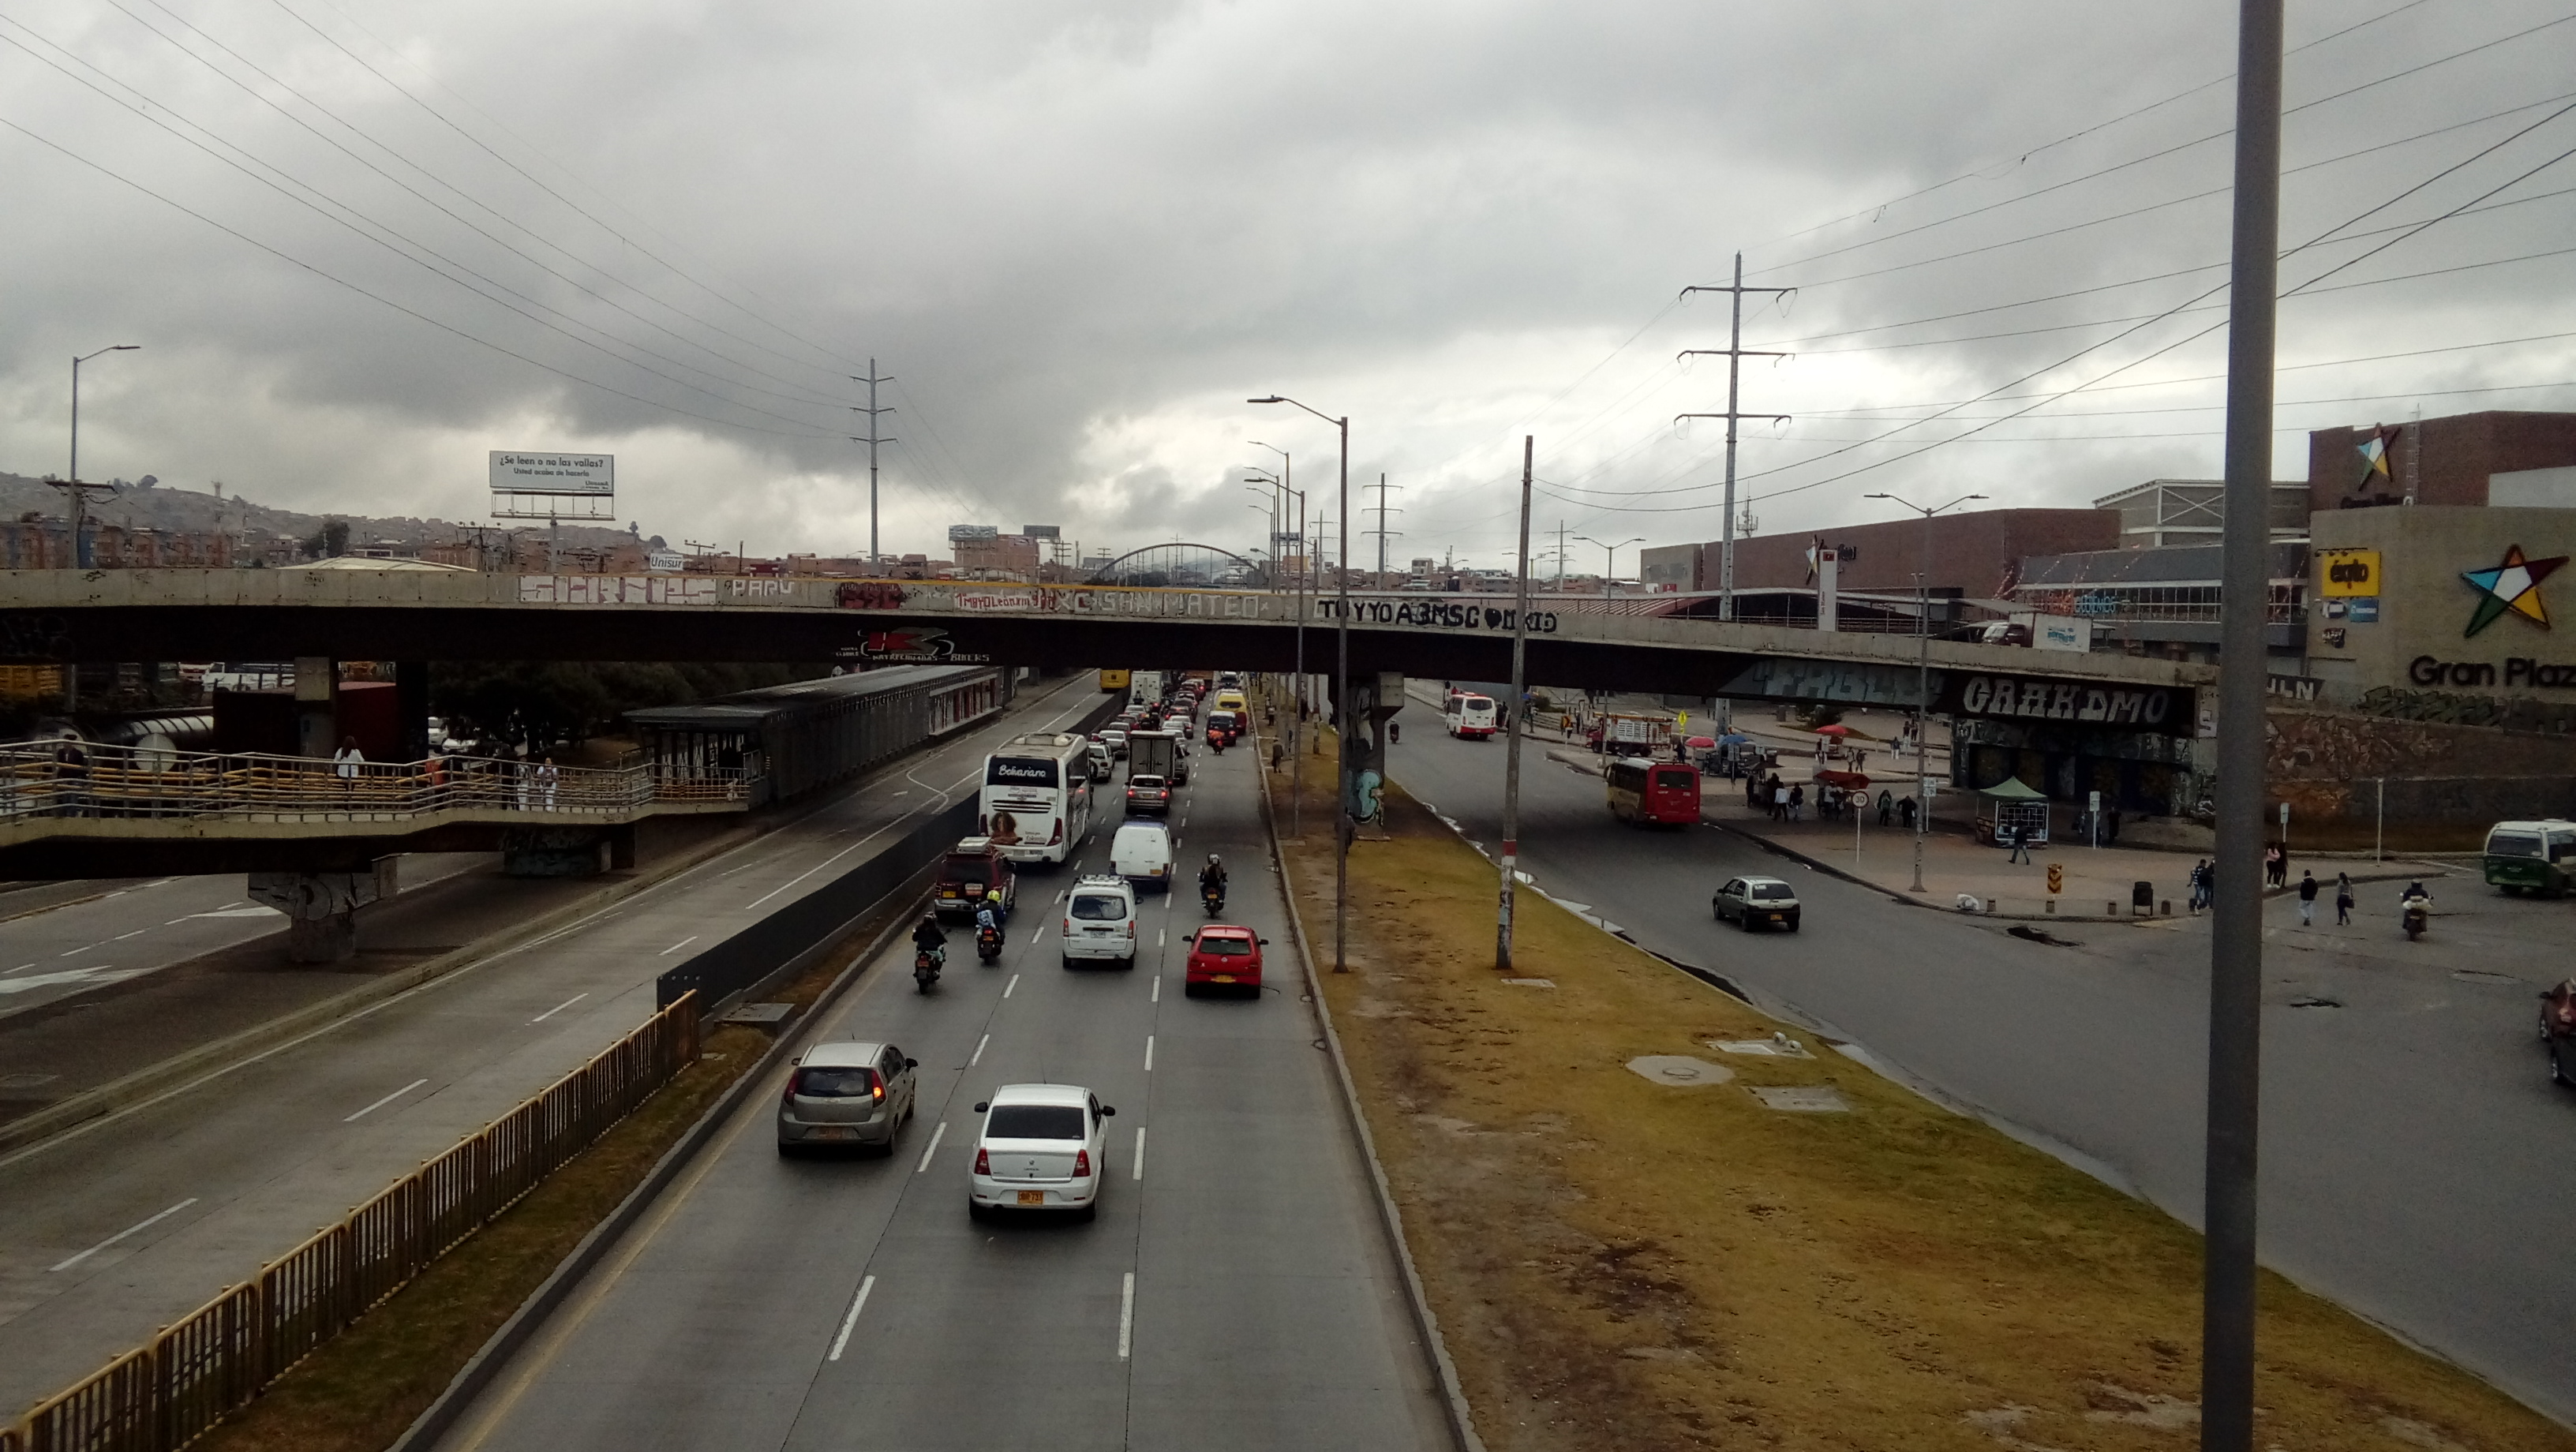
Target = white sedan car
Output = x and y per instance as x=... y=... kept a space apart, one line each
x=1043 y=1147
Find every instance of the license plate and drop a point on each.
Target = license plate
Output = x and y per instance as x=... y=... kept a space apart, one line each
x=1033 y=1197
x=1777 y=918
x=1220 y=978
x=836 y=1132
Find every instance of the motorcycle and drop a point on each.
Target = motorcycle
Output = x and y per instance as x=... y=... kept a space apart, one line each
x=2414 y=915
x=1213 y=899
x=1216 y=744
x=925 y=967
x=988 y=944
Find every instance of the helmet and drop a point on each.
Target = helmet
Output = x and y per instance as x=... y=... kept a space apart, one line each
x=992 y=894
x=1212 y=859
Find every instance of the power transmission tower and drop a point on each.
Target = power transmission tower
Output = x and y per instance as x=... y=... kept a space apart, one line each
x=872 y=440
x=1735 y=353
x=1382 y=487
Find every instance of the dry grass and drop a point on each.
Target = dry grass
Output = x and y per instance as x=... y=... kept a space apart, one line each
x=1618 y=1263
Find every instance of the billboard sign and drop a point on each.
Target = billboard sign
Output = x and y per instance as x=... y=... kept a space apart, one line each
x=973 y=533
x=523 y=473
x=1043 y=531
x=2347 y=573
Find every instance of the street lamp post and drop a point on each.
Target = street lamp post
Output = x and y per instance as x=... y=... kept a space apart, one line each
x=1297 y=700
x=1923 y=678
x=1610 y=558
x=73 y=489
x=1343 y=824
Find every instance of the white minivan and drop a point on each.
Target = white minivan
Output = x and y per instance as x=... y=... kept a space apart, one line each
x=1100 y=922
x=1142 y=854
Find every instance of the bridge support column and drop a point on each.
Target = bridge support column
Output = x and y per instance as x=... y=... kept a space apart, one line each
x=554 y=852
x=322 y=908
x=1367 y=702
x=411 y=704
x=317 y=707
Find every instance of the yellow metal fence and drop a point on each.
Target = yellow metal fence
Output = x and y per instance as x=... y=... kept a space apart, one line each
x=163 y=1396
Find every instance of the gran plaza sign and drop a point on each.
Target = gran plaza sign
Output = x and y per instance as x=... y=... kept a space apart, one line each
x=2515 y=672
x=2165 y=709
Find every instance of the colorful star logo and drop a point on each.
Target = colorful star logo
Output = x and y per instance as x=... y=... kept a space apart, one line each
x=2513 y=585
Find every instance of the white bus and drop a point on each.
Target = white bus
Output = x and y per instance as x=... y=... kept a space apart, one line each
x=1469 y=715
x=1036 y=802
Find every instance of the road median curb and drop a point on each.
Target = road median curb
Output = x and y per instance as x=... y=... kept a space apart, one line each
x=1461 y=1418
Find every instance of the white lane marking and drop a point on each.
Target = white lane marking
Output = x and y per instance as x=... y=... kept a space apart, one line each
x=121 y=937
x=1162 y=937
x=165 y=882
x=134 y=1229
x=1059 y=892
x=1126 y=1314
x=1007 y=987
x=937 y=1133
x=1040 y=933
x=1158 y=989
x=558 y=1008
x=381 y=1103
x=83 y=948
x=96 y=973
x=675 y=947
x=979 y=1051
x=1140 y=1152
x=852 y=1319
x=1149 y=1053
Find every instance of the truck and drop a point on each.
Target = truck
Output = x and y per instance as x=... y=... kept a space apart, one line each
x=1158 y=753
x=1144 y=688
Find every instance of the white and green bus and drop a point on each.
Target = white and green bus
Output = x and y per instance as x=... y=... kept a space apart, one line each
x=2533 y=857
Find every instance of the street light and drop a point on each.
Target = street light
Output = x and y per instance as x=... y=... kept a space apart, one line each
x=1923 y=679
x=72 y=488
x=1610 y=570
x=1342 y=826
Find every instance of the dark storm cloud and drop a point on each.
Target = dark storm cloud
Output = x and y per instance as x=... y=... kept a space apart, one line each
x=1081 y=235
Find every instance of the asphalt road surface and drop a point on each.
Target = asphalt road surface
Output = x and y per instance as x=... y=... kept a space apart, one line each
x=1233 y=1293
x=2415 y=1158
x=126 y=1224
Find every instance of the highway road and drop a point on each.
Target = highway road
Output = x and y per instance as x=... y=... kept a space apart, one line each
x=124 y=1224
x=2415 y=1161
x=1234 y=1292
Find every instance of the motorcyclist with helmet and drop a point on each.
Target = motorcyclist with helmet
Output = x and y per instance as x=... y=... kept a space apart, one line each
x=1212 y=882
x=988 y=913
x=2414 y=908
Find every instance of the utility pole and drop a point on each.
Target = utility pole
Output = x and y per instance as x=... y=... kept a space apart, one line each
x=2236 y=934
x=1381 y=528
x=1560 y=557
x=873 y=412
x=76 y=495
x=1735 y=354
x=1923 y=680
x=1512 y=725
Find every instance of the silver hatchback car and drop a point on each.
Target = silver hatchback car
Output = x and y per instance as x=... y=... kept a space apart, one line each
x=853 y=1094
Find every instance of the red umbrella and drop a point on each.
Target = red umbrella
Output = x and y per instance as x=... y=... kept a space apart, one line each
x=1837 y=729
x=1699 y=741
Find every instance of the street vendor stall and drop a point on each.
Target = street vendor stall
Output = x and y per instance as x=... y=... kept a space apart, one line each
x=2009 y=804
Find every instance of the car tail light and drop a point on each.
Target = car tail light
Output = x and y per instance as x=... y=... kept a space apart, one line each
x=983 y=1161
x=876 y=1089
x=790 y=1096
x=1082 y=1164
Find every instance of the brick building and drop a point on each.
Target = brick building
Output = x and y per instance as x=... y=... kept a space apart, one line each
x=1977 y=554
x=2515 y=459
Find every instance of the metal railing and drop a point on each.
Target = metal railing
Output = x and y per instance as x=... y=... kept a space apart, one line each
x=61 y=779
x=213 y=1362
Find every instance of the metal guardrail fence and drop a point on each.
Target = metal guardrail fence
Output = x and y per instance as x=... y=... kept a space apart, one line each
x=213 y=1362
x=64 y=779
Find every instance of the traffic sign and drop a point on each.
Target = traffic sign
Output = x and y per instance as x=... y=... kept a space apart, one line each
x=2056 y=878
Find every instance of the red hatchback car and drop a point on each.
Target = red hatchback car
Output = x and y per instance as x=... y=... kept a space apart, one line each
x=1224 y=956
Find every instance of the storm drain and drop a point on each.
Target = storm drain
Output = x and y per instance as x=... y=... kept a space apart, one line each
x=1803 y=1098
x=759 y=1015
x=2310 y=1000
x=1778 y=1046
x=1679 y=1070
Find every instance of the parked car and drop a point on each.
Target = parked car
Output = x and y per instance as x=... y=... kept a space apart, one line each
x=1141 y=852
x=856 y=1094
x=1042 y=1147
x=1753 y=902
x=1100 y=921
x=972 y=868
x=1223 y=956
x=1148 y=796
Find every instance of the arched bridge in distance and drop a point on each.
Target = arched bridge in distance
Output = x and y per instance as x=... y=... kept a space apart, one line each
x=1184 y=564
x=180 y=614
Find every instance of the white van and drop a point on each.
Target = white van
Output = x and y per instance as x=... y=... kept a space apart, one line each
x=1469 y=717
x=1100 y=922
x=1142 y=854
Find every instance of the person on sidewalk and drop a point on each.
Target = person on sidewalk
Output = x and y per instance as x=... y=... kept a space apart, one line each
x=2343 y=899
x=1797 y=801
x=1886 y=805
x=1906 y=809
x=1779 y=800
x=2307 y=899
x=2275 y=871
x=2020 y=846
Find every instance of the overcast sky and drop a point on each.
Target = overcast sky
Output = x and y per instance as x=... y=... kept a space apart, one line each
x=1080 y=235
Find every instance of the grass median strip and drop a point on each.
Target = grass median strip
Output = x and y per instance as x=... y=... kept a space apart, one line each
x=1724 y=1249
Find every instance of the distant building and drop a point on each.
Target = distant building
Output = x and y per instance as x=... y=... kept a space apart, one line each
x=1976 y=554
x=2194 y=511
x=2508 y=459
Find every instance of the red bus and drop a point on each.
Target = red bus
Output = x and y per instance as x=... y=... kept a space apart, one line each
x=1664 y=792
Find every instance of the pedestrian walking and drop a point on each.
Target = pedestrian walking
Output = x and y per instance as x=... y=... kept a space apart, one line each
x=548 y=778
x=1886 y=805
x=1797 y=800
x=2343 y=900
x=1905 y=809
x=2307 y=899
x=1779 y=801
x=2202 y=877
x=2020 y=846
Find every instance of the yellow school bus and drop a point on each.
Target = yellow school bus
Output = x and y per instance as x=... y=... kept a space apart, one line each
x=1113 y=680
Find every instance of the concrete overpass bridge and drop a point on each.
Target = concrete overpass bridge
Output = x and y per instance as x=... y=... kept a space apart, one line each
x=64 y=615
